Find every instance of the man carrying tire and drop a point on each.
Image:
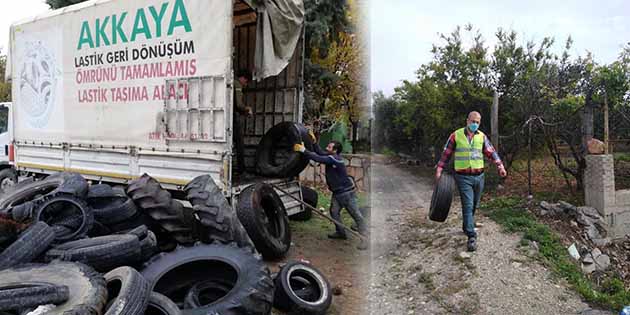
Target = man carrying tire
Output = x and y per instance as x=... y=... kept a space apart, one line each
x=469 y=144
x=339 y=183
x=243 y=77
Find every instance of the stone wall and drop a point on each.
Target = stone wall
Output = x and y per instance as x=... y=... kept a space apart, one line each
x=600 y=193
x=358 y=166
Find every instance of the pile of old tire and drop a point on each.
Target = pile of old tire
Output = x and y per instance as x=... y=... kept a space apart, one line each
x=442 y=197
x=67 y=247
x=274 y=154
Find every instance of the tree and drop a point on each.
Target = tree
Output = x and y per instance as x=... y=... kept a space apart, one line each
x=5 y=87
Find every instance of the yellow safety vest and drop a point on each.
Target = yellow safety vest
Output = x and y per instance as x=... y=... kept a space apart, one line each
x=468 y=155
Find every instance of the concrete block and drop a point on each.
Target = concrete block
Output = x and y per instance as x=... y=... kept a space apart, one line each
x=618 y=224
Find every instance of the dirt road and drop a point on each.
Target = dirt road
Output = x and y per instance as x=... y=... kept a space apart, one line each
x=421 y=267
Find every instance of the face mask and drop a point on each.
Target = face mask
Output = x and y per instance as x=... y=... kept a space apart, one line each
x=473 y=127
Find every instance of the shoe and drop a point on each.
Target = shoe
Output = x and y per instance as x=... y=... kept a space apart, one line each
x=337 y=236
x=354 y=227
x=363 y=245
x=472 y=244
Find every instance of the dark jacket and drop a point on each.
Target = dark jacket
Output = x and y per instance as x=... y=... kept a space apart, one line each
x=336 y=174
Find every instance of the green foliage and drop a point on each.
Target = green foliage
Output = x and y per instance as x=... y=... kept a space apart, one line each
x=56 y=4
x=513 y=216
x=5 y=87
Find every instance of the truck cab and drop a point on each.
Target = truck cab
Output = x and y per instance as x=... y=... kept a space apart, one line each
x=8 y=176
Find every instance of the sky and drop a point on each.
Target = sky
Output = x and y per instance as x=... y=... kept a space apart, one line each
x=403 y=31
x=16 y=11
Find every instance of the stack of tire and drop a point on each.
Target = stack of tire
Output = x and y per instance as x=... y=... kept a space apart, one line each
x=71 y=248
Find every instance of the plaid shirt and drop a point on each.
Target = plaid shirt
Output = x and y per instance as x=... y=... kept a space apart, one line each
x=488 y=151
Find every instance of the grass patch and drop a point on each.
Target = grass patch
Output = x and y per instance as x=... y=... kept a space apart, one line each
x=513 y=216
x=319 y=226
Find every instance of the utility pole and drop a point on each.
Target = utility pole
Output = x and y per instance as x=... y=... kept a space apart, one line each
x=494 y=120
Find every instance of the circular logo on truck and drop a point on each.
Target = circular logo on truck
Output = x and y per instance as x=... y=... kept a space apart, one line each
x=38 y=82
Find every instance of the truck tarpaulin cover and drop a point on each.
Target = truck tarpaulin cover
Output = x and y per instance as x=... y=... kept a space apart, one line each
x=95 y=72
x=278 y=29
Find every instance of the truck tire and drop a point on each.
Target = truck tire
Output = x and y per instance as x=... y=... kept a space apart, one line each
x=65 y=183
x=161 y=305
x=275 y=156
x=101 y=253
x=19 y=296
x=110 y=206
x=442 y=197
x=55 y=205
x=29 y=245
x=264 y=217
x=8 y=179
x=128 y=292
x=87 y=293
x=216 y=220
x=310 y=197
x=291 y=278
x=250 y=291
x=157 y=203
x=148 y=246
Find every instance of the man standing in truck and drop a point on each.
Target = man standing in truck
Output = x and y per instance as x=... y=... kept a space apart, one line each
x=469 y=145
x=339 y=183
x=243 y=76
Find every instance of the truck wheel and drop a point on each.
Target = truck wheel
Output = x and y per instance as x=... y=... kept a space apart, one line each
x=442 y=197
x=8 y=179
x=249 y=291
x=30 y=244
x=25 y=193
x=264 y=217
x=216 y=219
x=275 y=156
x=128 y=292
x=101 y=253
x=291 y=279
x=16 y=296
x=310 y=197
x=161 y=305
x=87 y=293
x=157 y=203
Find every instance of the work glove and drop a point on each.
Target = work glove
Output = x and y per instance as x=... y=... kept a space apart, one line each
x=312 y=135
x=299 y=147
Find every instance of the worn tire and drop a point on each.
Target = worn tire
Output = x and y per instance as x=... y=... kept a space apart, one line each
x=285 y=298
x=310 y=197
x=86 y=287
x=161 y=305
x=216 y=220
x=264 y=217
x=65 y=183
x=274 y=154
x=442 y=197
x=128 y=292
x=157 y=203
x=148 y=246
x=8 y=179
x=29 y=245
x=19 y=296
x=174 y=273
x=47 y=209
x=102 y=253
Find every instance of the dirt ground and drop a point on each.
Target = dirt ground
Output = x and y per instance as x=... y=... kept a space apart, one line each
x=421 y=267
x=340 y=261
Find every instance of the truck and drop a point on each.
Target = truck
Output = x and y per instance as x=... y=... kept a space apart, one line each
x=113 y=89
